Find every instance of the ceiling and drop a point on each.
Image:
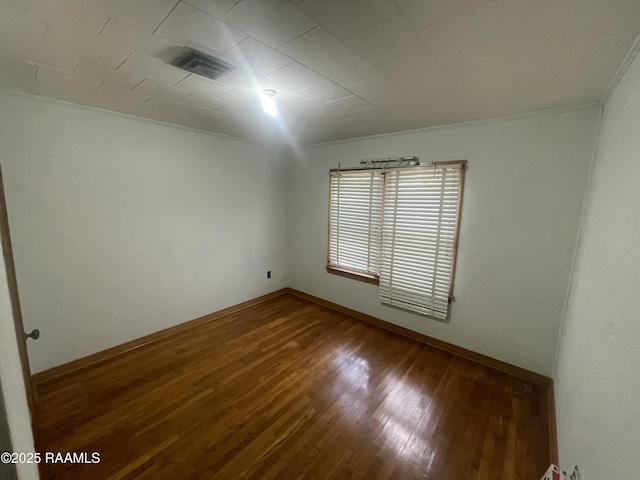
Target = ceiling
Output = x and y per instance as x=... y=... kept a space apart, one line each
x=342 y=69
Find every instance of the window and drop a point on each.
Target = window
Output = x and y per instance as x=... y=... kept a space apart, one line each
x=398 y=227
x=355 y=223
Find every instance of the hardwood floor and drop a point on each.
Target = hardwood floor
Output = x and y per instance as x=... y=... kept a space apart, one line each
x=289 y=389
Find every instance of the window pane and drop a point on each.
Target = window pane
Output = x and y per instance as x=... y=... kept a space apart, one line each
x=418 y=239
x=355 y=216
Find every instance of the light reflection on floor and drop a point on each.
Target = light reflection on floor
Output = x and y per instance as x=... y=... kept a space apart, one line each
x=402 y=408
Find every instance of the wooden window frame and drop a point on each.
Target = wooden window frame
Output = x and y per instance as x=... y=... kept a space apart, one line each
x=345 y=272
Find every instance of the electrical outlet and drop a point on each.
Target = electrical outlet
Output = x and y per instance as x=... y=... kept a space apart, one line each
x=269 y=274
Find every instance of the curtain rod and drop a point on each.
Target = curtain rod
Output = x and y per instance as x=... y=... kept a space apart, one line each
x=374 y=162
x=412 y=162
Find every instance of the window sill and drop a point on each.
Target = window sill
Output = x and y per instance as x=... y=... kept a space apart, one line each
x=363 y=277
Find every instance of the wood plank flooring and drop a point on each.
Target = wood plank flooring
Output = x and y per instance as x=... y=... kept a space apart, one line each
x=289 y=389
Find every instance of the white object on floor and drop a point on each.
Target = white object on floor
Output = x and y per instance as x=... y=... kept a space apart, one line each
x=552 y=473
x=576 y=475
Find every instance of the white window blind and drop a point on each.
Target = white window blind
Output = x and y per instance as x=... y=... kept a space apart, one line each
x=418 y=241
x=355 y=221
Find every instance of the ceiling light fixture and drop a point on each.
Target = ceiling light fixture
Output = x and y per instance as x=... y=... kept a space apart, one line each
x=268 y=103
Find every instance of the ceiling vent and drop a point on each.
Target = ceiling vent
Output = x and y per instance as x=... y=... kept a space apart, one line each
x=193 y=61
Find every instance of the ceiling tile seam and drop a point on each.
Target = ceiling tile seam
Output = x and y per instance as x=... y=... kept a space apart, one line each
x=47 y=67
x=261 y=43
x=365 y=81
x=442 y=70
x=236 y=2
x=353 y=93
x=186 y=96
x=167 y=16
x=102 y=29
x=502 y=44
x=321 y=83
x=192 y=93
x=297 y=37
x=373 y=26
x=94 y=39
x=76 y=67
x=182 y=81
x=38 y=64
x=365 y=108
x=35 y=77
x=343 y=98
x=306 y=66
x=94 y=92
x=124 y=61
x=249 y=35
x=293 y=60
x=18 y=59
x=475 y=7
x=206 y=13
x=138 y=84
x=324 y=66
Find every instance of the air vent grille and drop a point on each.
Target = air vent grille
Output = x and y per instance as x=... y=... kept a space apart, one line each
x=200 y=63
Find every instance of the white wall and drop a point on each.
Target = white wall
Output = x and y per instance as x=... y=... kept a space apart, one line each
x=12 y=383
x=522 y=201
x=597 y=380
x=122 y=227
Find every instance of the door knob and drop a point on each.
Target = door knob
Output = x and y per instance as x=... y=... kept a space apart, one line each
x=35 y=334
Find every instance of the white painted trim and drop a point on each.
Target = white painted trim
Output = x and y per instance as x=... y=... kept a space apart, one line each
x=622 y=68
x=537 y=113
x=506 y=118
x=12 y=386
x=55 y=101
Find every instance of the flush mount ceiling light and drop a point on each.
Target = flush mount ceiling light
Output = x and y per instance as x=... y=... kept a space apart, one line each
x=268 y=103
